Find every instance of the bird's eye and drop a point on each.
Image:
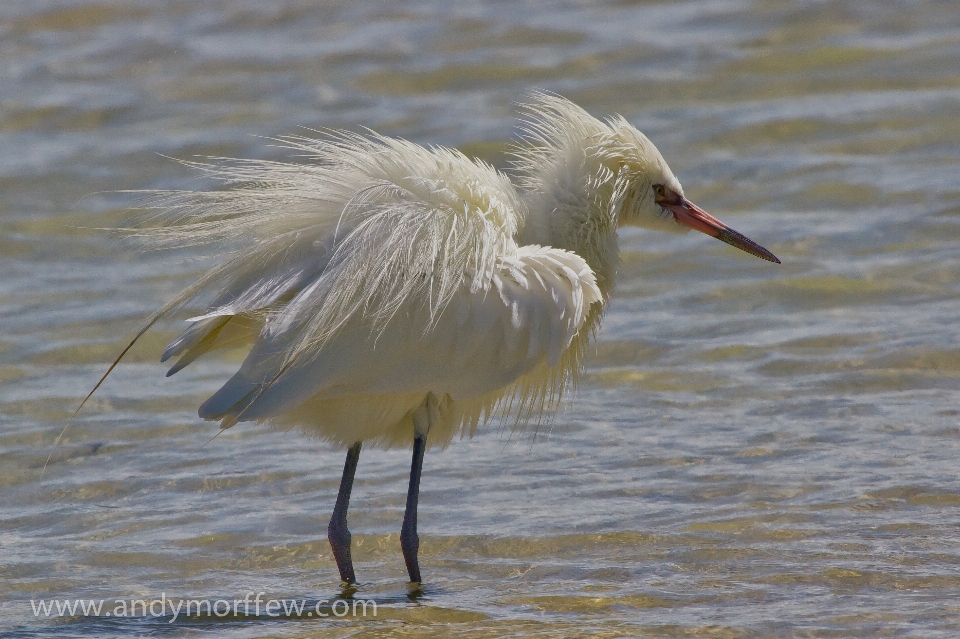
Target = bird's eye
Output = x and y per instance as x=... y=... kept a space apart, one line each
x=658 y=190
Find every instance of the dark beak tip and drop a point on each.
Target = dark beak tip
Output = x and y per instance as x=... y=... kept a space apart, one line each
x=770 y=257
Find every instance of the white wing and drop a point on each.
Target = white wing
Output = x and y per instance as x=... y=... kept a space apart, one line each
x=534 y=303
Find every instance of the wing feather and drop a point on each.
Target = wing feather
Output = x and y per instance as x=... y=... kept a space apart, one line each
x=538 y=303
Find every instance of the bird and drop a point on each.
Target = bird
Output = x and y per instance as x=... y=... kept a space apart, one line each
x=393 y=294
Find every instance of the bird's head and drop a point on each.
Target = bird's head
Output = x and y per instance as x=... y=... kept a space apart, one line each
x=650 y=195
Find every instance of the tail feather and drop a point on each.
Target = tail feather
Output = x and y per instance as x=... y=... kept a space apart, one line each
x=199 y=347
x=197 y=334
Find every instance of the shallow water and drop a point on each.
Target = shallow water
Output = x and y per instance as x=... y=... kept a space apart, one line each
x=754 y=451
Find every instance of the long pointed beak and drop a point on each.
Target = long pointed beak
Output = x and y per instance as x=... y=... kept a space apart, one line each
x=689 y=214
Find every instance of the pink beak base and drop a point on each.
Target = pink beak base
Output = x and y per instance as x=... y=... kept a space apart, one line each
x=690 y=215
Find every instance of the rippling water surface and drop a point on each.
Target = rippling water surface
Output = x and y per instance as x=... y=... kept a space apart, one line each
x=755 y=450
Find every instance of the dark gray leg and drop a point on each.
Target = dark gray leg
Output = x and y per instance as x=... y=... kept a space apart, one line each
x=409 y=541
x=337 y=531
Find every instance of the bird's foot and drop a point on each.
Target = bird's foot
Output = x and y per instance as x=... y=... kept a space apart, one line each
x=415 y=592
x=348 y=590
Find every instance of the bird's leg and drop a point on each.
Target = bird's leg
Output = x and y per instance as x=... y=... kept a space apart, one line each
x=337 y=532
x=409 y=541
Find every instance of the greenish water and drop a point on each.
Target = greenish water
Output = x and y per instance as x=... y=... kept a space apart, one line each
x=755 y=451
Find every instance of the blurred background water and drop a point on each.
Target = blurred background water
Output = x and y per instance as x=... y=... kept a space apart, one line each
x=754 y=451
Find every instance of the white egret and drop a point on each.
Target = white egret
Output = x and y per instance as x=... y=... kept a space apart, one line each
x=393 y=292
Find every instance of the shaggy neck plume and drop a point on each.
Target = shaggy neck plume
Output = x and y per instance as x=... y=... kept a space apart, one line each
x=575 y=208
